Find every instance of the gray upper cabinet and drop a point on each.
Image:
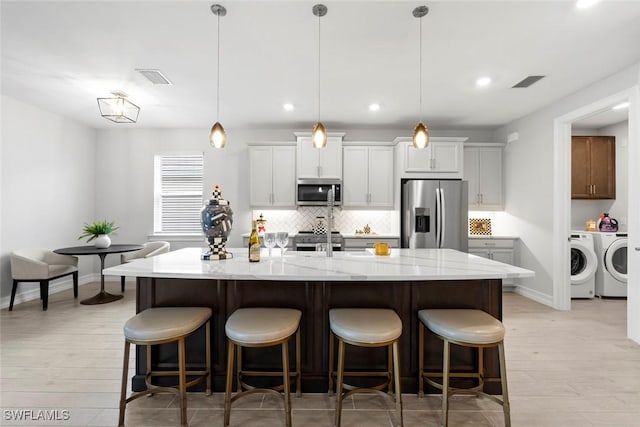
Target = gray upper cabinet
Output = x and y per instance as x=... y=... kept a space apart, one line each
x=319 y=162
x=483 y=171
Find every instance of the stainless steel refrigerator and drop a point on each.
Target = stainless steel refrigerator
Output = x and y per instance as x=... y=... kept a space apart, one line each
x=434 y=214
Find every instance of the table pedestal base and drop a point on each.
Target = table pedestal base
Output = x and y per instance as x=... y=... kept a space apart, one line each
x=101 y=298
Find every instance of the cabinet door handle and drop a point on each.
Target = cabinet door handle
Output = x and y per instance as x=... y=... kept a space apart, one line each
x=637 y=249
x=489 y=244
x=481 y=198
x=594 y=189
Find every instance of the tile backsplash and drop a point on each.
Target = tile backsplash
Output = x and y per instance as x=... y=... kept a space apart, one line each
x=346 y=221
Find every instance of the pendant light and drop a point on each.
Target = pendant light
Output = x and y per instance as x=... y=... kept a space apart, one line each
x=319 y=133
x=420 y=132
x=217 y=136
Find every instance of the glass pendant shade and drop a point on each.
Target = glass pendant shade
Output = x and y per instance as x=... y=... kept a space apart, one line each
x=217 y=136
x=319 y=136
x=119 y=109
x=420 y=136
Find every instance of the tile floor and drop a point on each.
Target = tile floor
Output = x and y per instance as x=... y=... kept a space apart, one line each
x=564 y=368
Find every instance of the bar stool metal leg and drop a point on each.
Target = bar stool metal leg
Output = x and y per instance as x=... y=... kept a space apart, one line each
x=396 y=375
x=339 y=381
x=183 y=382
x=286 y=382
x=227 y=395
x=503 y=381
x=445 y=384
x=123 y=389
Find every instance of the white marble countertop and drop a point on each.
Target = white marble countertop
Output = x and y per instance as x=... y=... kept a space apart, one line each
x=401 y=265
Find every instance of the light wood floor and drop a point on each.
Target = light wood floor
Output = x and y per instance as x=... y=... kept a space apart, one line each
x=564 y=369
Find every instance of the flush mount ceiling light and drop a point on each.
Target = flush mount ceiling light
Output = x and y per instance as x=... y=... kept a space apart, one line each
x=319 y=133
x=217 y=136
x=586 y=4
x=374 y=107
x=483 y=81
x=621 y=106
x=288 y=107
x=118 y=109
x=420 y=132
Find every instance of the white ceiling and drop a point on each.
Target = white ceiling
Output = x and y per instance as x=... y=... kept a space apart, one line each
x=63 y=55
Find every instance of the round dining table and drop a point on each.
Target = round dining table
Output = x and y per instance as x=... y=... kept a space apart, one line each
x=103 y=296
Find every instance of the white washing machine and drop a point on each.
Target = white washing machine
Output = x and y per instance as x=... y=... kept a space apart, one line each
x=584 y=265
x=611 y=276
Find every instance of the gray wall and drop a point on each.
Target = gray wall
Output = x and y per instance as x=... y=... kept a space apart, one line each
x=48 y=183
x=529 y=179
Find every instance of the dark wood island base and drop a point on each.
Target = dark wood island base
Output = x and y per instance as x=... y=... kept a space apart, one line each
x=314 y=299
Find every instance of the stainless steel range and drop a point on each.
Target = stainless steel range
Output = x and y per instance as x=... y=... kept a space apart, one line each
x=308 y=241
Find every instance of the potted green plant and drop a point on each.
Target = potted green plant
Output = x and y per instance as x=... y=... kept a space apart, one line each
x=99 y=231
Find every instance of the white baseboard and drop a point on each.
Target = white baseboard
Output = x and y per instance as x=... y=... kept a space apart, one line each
x=534 y=295
x=29 y=291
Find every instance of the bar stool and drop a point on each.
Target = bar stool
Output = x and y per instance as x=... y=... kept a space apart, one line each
x=262 y=327
x=365 y=327
x=468 y=328
x=161 y=325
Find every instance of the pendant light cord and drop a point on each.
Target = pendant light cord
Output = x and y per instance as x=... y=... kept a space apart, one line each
x=218 y=76
x=319 y=17
x=420 y=68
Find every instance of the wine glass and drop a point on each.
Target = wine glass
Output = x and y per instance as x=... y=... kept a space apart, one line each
x=282 y=240
x=269 y=241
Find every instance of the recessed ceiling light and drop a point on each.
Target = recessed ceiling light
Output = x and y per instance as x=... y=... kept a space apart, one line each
x=288 y=107
x=374 y=107
x=483 y=81
x=621 y=106
x=585 y=4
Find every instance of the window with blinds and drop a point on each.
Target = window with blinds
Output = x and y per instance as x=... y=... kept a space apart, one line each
x=178 y=183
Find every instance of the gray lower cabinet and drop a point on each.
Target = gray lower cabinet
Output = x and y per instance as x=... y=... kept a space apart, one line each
x=362 y=243
x=501 y=249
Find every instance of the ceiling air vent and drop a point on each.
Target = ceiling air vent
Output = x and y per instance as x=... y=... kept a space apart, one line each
x=155 y=77
x=528 y=81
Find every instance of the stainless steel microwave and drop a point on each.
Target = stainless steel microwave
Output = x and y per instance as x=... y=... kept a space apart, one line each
x=313 y=191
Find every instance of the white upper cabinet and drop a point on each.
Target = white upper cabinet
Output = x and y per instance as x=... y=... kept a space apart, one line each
x=319 y=162
x=272 y=175
x=442 y=158
x=483 y=171
x=368 y=176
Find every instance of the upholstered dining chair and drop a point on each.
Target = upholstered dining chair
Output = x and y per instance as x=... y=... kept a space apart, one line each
x=41 y=265
x=149 y=249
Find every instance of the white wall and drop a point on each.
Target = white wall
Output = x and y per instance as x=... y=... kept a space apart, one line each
x=124 y=172
x=529 y=180
x=583 y=210
x=47 y=183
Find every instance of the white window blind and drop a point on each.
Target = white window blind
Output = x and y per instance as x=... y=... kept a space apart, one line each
x=178 y=183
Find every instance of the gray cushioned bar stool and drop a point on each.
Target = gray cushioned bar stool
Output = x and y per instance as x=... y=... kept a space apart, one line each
x=468 y=328
x=262 y=327
x=365 y=327
x=161 y=325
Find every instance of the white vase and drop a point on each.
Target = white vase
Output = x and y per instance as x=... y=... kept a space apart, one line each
x=103 y=241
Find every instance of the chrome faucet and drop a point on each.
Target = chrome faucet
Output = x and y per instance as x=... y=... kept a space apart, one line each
x=330 y=200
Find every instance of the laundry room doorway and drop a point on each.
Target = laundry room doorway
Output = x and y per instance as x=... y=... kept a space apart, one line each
x=563 y=212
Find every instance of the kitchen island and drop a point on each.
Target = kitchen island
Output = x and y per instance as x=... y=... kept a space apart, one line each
x=406 y=281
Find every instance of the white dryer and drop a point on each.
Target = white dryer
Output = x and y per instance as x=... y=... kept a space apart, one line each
x=611 y=276
x=584 y=264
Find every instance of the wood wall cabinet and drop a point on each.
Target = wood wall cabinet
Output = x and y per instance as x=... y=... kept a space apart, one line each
x=367 y=176
x=593 y=167
x=483 y=172
x=272 y=176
